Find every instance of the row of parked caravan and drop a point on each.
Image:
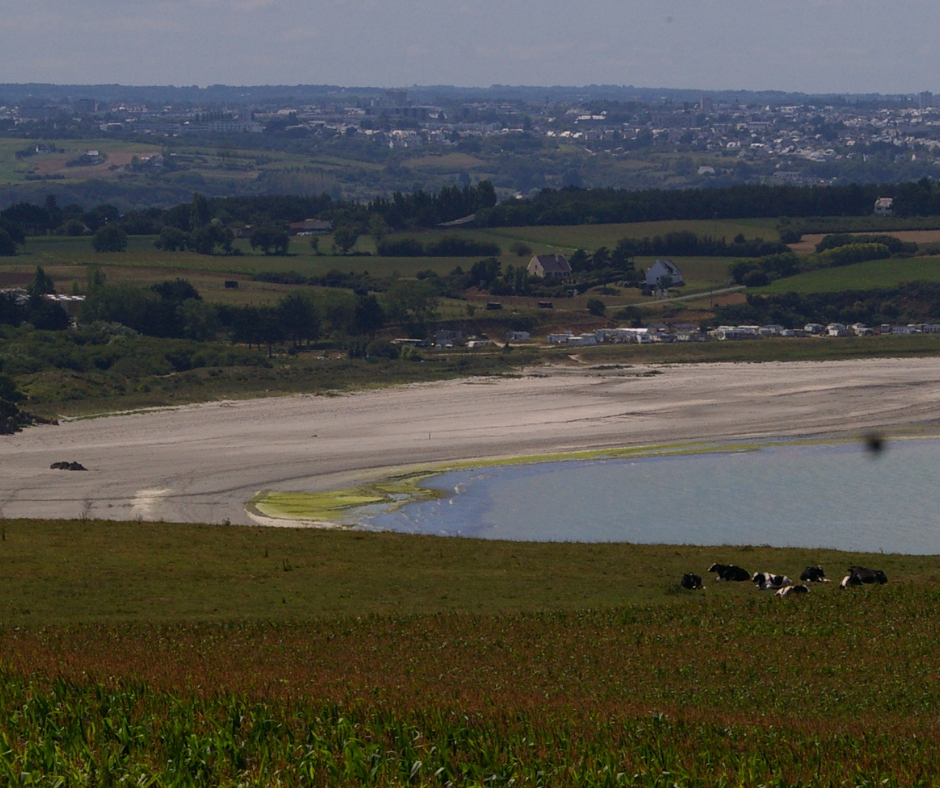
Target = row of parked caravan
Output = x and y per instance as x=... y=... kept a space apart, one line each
x=781 y=584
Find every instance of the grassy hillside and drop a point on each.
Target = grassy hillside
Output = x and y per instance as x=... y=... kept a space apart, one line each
x=74 y=571
x=861 y=276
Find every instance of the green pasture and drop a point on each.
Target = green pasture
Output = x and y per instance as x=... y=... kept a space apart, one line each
x=72 y=571
x=870 y=275
x=61 y=251
x=565 y=239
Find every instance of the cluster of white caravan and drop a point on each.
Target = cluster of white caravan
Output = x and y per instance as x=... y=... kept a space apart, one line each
x=820 y=330
x=653 y=334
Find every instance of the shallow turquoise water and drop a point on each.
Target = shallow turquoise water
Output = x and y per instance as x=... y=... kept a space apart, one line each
x=833 y=495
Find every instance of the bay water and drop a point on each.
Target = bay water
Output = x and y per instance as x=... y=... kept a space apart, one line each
x=836 y=495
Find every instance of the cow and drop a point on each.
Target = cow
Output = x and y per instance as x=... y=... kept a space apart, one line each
x=868 y=576
x=769 y=582
x=730 y=572
x=692 y=582
x=791 y=591
x=849 y=580
x=813 y=574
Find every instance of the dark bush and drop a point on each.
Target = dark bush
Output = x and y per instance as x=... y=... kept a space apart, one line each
x=109 y=238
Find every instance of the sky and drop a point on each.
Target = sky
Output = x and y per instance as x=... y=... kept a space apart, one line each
x=813 y=46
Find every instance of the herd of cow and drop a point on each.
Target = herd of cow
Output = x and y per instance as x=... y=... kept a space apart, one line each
x=782 y=585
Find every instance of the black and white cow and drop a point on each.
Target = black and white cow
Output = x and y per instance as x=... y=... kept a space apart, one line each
x=770 y=582
x=849 y=580
x=868 y=575
x=730 y=572
x=813 y=574
x=691 y=582
x=791 y=591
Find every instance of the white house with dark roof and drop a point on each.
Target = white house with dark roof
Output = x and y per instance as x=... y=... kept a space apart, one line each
x=546 y=266
x=657 y=273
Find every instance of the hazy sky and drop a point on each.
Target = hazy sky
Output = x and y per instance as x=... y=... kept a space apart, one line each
x=815 y=46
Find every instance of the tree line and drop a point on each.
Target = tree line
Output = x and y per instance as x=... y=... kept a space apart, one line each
x=174 y=309
x=204 y=224
x=571 y=205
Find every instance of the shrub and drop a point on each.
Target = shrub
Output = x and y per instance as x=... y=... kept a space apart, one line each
x=596 y=307
x=400 y=247
x=382 y=348
x=7 y=247
x=109 y=238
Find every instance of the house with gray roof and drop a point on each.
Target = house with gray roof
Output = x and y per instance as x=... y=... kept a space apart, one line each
x=661 y=272
x=547 y=266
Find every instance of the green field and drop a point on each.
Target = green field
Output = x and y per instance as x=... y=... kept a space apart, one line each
x=592 y=236
x=871 y=275
x=186 y=655
x=141 y=253
x=71 y=571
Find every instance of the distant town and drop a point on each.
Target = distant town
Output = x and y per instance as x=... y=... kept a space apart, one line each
x=710 y=140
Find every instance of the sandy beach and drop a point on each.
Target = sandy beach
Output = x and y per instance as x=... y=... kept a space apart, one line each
x=202 y=463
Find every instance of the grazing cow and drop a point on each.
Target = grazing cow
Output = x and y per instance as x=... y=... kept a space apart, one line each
x=868 y=575
x=730 y=572
x=849 y=580
x=813 y=574
x=768 y=582
x=691 y=582
x=791 y=591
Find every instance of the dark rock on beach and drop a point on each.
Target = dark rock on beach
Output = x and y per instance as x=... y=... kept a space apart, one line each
x=68 y=466
x=12 y=419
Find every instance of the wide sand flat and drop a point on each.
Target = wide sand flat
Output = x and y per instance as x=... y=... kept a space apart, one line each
x=202 y=463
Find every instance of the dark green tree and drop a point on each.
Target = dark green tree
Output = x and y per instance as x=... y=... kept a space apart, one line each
x=41 y=285
x=200 y=214
x=109 y=238
x=270 y=239
x=14 y=230
x=370 y=317
x=600 y=258
x=345 y=237
x=171 y=239
x=7 y=246
x=579 y=261
x=596 y=307
x=299 y=318
x=412 y=304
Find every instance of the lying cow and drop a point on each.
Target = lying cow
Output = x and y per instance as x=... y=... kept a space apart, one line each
x=730 y=572
x=691 y=582
x=769 y=582
x=868 y=576
x=813 y=574
x=791 y=591
x=850 y=580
